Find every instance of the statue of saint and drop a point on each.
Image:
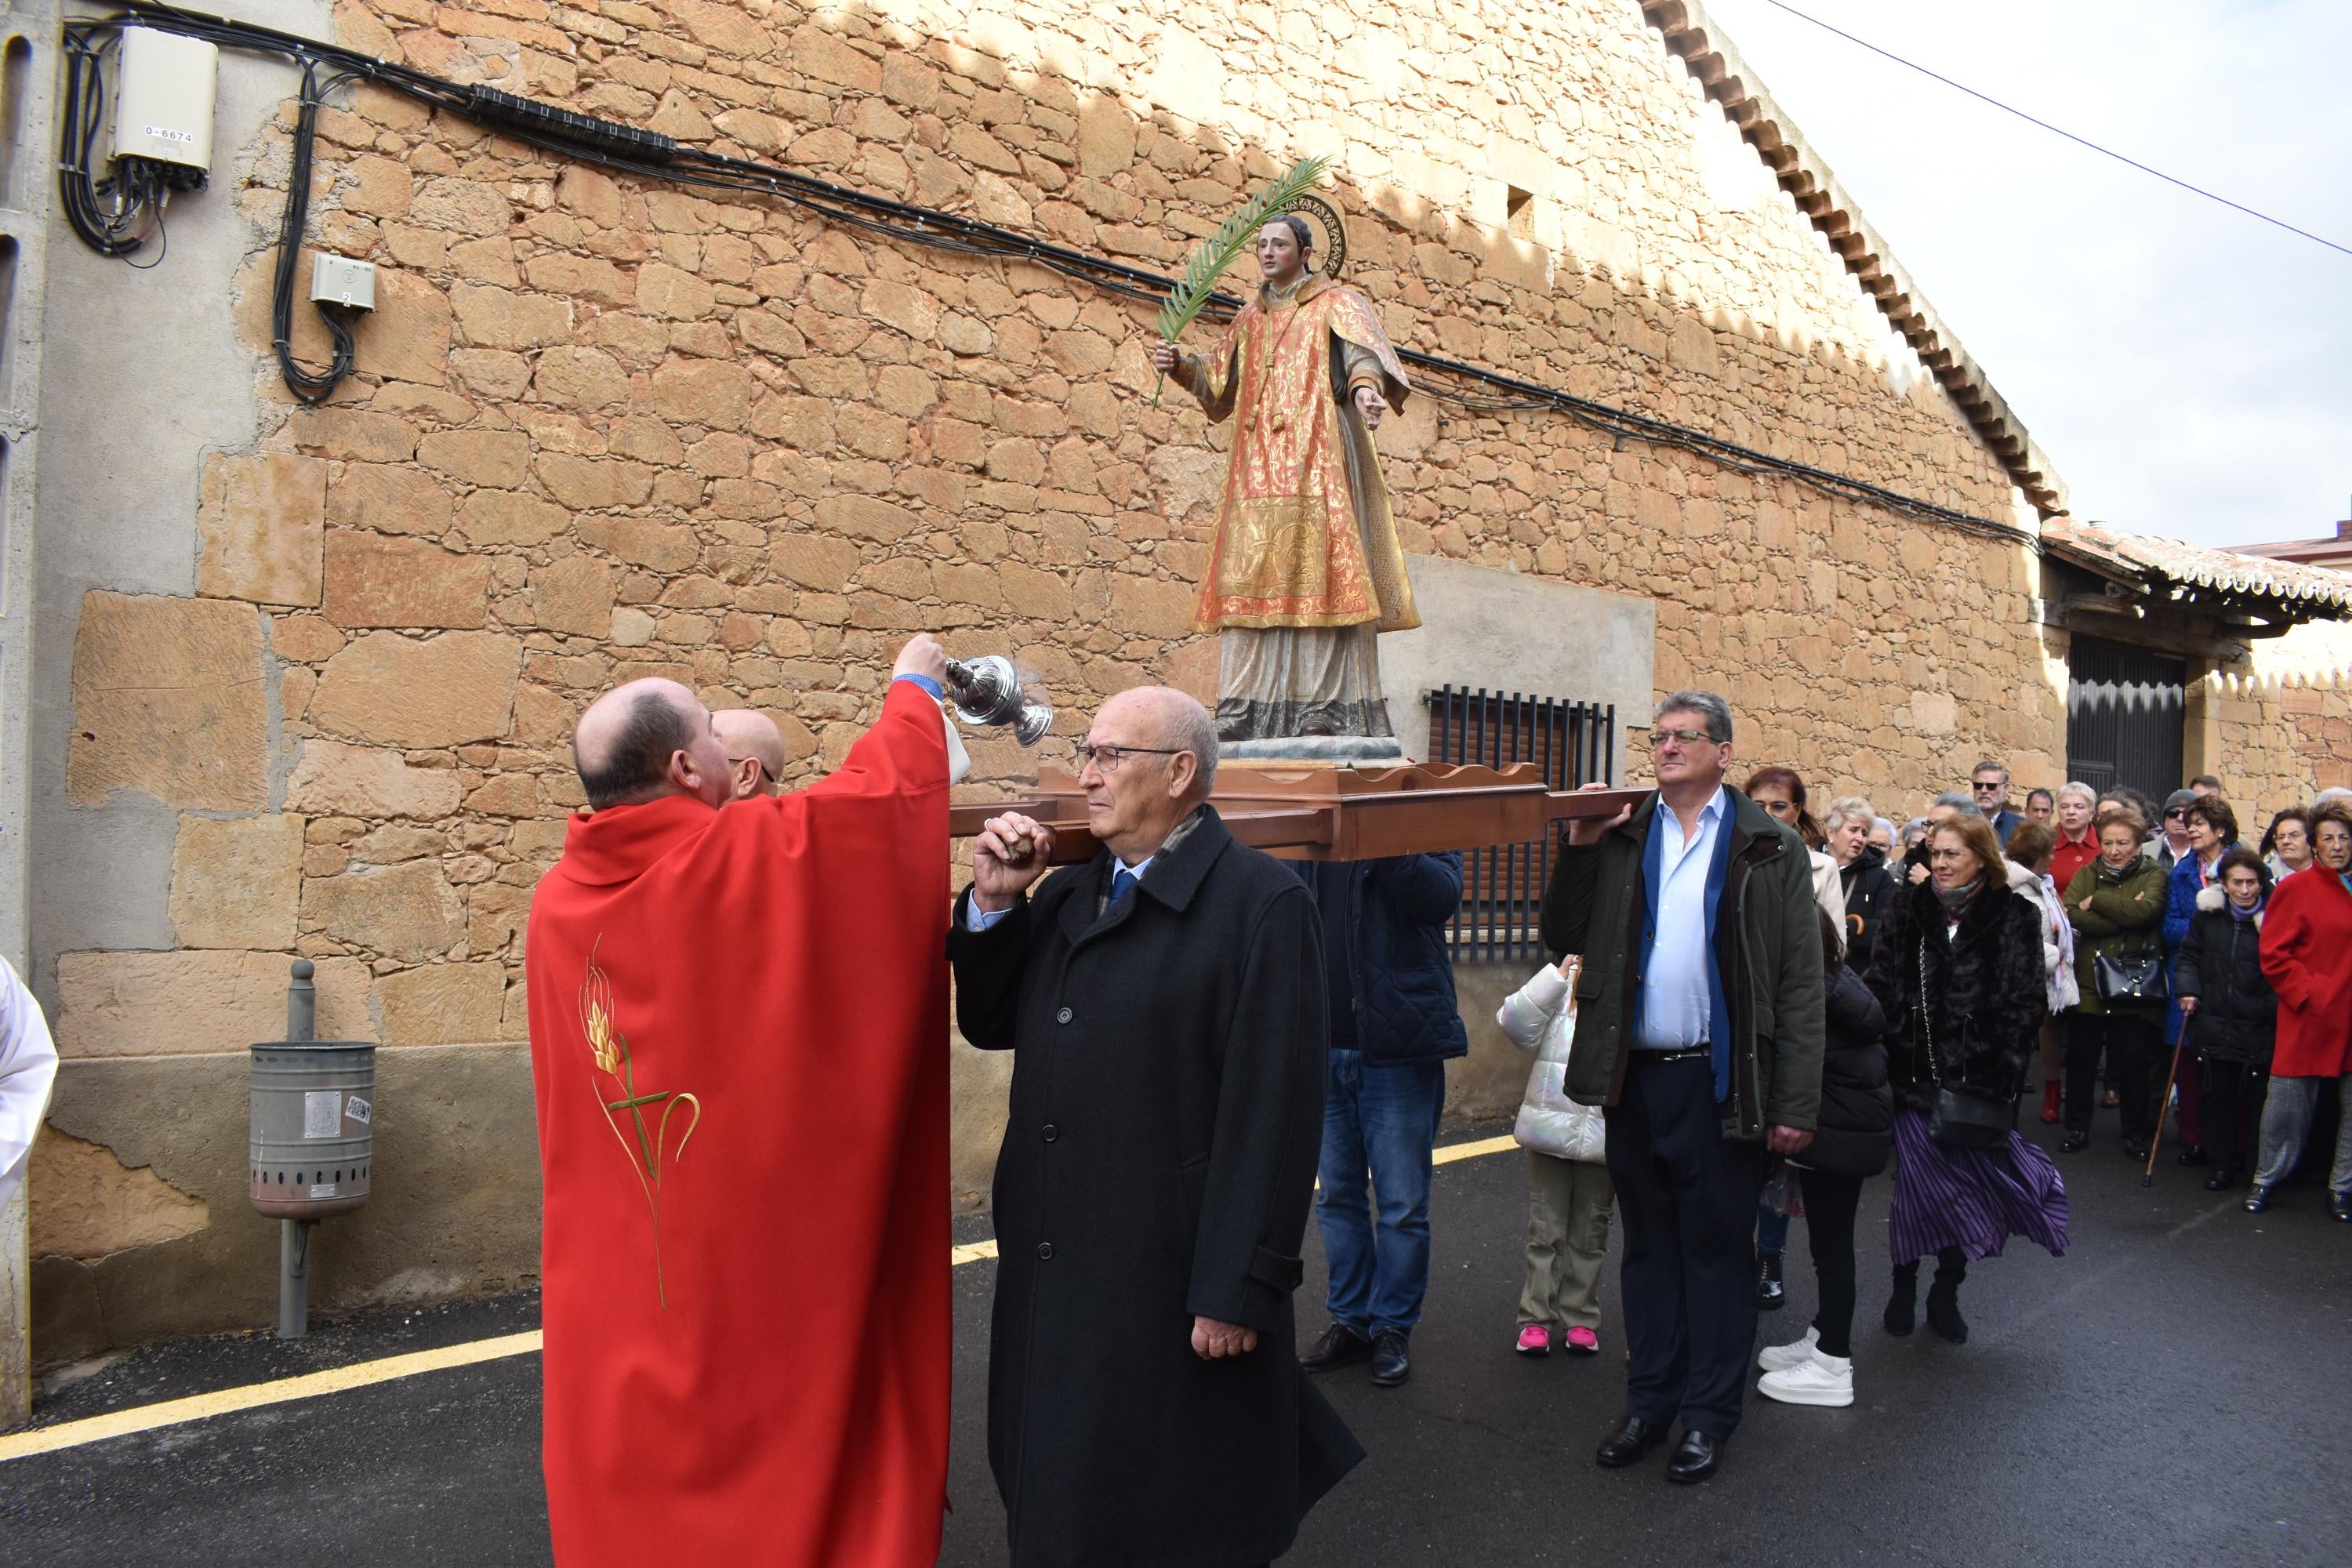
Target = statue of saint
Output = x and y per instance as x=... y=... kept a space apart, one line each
x=1305 y=571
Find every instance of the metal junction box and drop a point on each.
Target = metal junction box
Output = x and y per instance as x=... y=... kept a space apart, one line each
x=163 y=105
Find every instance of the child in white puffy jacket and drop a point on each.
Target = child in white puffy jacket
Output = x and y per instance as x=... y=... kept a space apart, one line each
x=1568 y=1188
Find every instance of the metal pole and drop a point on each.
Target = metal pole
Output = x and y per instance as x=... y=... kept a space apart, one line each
x=294 y=1235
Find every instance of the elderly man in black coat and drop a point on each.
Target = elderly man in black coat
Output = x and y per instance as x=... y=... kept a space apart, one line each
x=1165 y=1005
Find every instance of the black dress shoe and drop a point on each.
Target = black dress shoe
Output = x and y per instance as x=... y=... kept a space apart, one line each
x=1769 y=1292
x=2076 y=1142
x=2258 y=1199
x=1626 y=1446
x=1339 y=1346
x=2191 y=1154
x=2341 y=1203
x=2221 y=1179
x=2135 y=1152
x=1391 y=1365
x=1694 y=1458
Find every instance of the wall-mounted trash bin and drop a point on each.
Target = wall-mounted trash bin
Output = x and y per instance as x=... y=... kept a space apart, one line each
x=313 y=1136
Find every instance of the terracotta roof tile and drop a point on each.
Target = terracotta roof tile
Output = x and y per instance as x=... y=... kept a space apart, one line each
x=2157 y=562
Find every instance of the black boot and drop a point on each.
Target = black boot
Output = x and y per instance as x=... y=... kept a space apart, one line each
x=2223 y=1178
x=2191 y=1154
x=1903 y=1305
x=1944 y=1296
x=1769 y=1292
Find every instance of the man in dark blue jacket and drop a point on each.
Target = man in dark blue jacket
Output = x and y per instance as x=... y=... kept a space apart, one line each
x=1393 y=1025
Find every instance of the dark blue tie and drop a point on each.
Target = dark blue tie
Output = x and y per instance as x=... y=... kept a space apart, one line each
x=1122 y=882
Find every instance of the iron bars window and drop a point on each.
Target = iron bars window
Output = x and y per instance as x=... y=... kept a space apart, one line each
x=1570 y=745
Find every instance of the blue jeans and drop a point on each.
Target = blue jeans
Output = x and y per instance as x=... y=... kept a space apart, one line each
x=1382 y=1120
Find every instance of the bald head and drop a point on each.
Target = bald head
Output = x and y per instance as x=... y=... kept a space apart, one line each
x=755 y=751
x=1172 y=720
x=647 y=740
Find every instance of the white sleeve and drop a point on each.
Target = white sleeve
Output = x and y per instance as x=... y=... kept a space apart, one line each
x=28 y=1065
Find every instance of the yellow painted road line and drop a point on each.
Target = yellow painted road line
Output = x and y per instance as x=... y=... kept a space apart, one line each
x=360 y=1374
x=1453 y=1151
x=226 y=1401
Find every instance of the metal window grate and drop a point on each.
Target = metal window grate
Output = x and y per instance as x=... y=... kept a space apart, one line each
x=1571 y=743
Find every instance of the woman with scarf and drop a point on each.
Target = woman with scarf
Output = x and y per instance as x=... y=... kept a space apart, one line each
x=2306 y=936
x=2116 y=905
x=1958 y=966
x=1861 y=870
x=2230 y=1012
x=2212 y=829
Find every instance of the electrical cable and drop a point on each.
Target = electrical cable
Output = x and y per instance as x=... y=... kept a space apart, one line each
x=2055 y=130
x=651 y=156
x=311 y=386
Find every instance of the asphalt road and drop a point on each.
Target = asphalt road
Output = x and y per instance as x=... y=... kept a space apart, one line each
x=2176 y=1390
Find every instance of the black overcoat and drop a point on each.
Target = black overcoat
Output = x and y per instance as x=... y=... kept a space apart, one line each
x=1157 y=1164
x=2221 y=964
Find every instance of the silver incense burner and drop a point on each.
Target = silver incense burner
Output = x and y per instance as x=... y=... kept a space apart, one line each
x=989 y=692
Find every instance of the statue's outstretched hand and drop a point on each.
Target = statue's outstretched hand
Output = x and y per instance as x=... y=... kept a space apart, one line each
x=1368 y=400
x=1164 y=357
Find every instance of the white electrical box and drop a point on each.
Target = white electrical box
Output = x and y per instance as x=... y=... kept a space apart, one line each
x=340 y=281
x=164 y=104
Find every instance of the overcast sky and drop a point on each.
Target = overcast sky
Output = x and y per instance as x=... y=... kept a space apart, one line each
x=2186 y=369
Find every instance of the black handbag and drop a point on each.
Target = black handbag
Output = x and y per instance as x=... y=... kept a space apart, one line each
x=1958 y=1117
x=2133 y=977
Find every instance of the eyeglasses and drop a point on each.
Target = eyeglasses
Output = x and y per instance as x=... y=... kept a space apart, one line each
x=2180 y=815
x=738 y=761
x=1107 y=758
x=1984 y=787
x=1658 y=738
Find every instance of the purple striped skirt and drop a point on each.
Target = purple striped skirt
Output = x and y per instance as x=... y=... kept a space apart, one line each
x=1974 y=1199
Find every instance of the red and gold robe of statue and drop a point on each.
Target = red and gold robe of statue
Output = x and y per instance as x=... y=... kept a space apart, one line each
x=739 y=1044
x=1305 y=536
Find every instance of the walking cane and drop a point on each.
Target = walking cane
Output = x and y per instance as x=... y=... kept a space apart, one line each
x=2147 y=1177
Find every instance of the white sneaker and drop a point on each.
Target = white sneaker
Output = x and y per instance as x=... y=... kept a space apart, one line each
x=1818 y=1380
x=1781 y=1358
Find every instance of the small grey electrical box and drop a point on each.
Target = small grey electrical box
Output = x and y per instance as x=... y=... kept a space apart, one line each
x=163 y=106
x=340 y=281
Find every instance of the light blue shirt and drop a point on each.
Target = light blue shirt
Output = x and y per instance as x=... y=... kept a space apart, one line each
x=977 y=919
x=1675 y=980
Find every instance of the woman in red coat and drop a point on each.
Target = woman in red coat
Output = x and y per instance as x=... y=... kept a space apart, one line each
x=2305 y=939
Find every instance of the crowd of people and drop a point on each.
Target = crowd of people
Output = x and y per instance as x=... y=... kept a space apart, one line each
x=1755 y=1011
x=2149 y=963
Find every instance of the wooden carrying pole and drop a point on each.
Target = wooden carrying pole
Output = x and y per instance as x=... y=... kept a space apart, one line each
x=1337 y=813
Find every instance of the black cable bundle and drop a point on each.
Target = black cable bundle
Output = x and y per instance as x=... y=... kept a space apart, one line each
x=309 y=385
x=117 y=214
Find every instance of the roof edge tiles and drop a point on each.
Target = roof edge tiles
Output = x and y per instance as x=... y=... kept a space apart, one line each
x=1805 y=175
x=2311 y=592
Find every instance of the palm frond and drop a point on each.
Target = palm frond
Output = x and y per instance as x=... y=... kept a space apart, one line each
x=1234 y=236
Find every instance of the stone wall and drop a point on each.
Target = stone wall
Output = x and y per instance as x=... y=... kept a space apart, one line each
x=316 y=702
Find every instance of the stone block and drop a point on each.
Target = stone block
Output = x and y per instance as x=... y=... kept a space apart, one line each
x=865 y=517
x=259 y=519
x=461 y=206
x=813 y=561
x=714 y=393
x=496 y=318
x=510 y=516
x=336 y=780
x=408 y=337
x=408 y=911
x=1106 y=137
x=169 y=699
x=441 y=691
x=581 y=378
x=236 y=881
x=443 y=1004
x=179 y=1003
x=355 y=435
x=640 y=541
x=303 y=640
x=92 y=1205
x=387 y=499
x=496 y=459
x=573 y=594
x=373 y=580
x=591 y=484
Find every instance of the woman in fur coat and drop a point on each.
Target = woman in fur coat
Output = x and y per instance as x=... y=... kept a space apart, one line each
x=1958 y=968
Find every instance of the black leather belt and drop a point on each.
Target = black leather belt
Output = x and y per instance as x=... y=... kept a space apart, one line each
x=1695 y=1053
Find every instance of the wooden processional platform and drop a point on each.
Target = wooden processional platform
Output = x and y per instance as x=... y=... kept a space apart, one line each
x=1302 y=811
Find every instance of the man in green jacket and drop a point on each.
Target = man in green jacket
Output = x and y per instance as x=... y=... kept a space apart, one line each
x=1699 y=1028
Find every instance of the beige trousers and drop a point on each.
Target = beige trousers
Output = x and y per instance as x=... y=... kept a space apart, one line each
x=1567 y=1237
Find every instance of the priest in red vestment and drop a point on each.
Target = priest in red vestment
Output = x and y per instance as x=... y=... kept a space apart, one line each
x=738 y=1042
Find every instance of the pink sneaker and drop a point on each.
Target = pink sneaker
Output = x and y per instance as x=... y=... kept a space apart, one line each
x=1584 y=1341
x=1535 y=1340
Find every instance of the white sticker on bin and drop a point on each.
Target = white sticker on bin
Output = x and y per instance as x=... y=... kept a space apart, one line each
x=322 y=1189
x=322 y=1113
x=357 y=1110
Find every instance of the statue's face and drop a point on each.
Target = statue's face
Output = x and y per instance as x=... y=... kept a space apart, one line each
x=1279 y=256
